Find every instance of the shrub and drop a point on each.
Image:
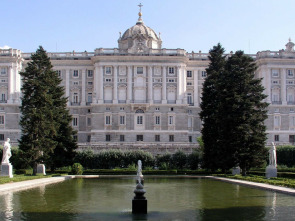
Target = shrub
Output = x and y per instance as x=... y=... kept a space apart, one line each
x=178 y=160
x=165 y=158
x=286 y=155
x=193 y=160
x=77 y=169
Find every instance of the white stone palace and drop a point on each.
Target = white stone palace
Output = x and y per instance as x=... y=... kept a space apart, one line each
x=143 y=96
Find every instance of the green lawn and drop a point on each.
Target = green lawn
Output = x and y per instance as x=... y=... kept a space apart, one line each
x=22 y=177
x=260 y=179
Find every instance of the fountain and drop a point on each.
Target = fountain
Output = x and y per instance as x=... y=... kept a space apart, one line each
x=139 y=202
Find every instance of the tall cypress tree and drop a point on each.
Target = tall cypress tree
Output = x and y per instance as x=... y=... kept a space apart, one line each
x=243 y=113
x=45 y=121
x=209 y=106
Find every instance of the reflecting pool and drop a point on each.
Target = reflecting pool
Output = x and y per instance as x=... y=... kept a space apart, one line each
x=168 y=199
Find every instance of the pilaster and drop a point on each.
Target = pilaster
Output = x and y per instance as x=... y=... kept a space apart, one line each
x=115 y=87
x=100 y=85
x=83 y=100
x=68 y=85
x=283 y=86
x=150 y=84
x=164 y=85
x=129 y=84
x=196 y=88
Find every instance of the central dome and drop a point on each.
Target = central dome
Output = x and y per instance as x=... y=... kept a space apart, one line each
x=139 y=38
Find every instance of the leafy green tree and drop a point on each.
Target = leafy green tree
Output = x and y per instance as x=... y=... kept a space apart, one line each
x=46 y=134
x=209 y=105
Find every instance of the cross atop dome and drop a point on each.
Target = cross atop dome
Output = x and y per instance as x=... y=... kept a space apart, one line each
x=139 y=14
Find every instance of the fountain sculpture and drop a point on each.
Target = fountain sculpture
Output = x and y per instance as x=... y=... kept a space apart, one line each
x=139 y=202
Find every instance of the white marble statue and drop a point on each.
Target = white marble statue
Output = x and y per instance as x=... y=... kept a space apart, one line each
x=273 y=156
x=139 y=168
x=6 y=152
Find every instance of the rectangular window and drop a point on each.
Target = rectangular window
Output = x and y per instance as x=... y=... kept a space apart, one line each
x=1 y=136
x=108 y=70
x=122 y=120
x=122 y=138
x=3 y=80
x=90 y=83
x=3 y=71
x=76 y=83
x=89 y=98
x=108 y=137
x=170 y=120
x=108 y=80
x=158 y=120
x=75 y=121
x=76 y=98
x=189 y=83
x=3 y=97
x=157 y=138
x=292 y=139
x=171 y=138
x=189 y=98
x=75 y=137
x=121 y=108
x=171 y=109
x=157 y=108
x=171 y=80
x=277 y=138
x=76 y=73
x=189 y=74
x=275 y=73
x=1 y=119
x=290 y=73
x=139 y=137
x=139 y=70
x=139 y=119
x=58 y=72
x=88 y=121
x=108 y=120
x=277 y=121
x=204 y=74
x=170 y=70
x=190 y=139
x=90 y=73
x=88 y=138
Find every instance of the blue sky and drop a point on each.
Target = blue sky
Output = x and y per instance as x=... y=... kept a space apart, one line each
x=193 y=25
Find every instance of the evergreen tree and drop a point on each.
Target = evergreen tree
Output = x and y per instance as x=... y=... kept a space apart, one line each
x=233 y=113
x=209 y=106
x=45 y=119
x=243 y=113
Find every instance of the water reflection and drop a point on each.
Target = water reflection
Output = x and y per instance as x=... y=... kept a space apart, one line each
x=168 y=199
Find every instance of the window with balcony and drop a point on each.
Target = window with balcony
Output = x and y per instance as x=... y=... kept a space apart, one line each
x=3 y=71
x=122 y=120
x=122 y=138
x=139 y=70
x=75 y=121
x=277 y=138
x=290 y=73
x=108 y=137
x=204 y=74
x=76 y=73
x=139 y=120
x=107 y=120
x=157 y=120
x=190 y=98
x=170 y=120
x=171 y=138
x=58 y=72
x=90 y=73
x=189 y=74
x=275 y=73
x=171 y=70
x=108 y=70
x=139 y=137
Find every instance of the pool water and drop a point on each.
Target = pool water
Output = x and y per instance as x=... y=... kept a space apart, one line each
x=168 y=199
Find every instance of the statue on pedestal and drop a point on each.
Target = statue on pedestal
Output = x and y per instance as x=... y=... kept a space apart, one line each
x=6 y=152
x=273 y=156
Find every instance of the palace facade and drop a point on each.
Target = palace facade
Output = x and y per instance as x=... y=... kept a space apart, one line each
x=141 y=95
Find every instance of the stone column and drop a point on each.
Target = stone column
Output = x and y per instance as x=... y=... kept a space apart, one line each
x=164 y=85
x=96 y=84
x=150 y=84
x=183 y=77
x=10 y=85
x=283 y=86
x=196 y=88
x=100 y=85
x=129 y=84
x=266 y=75
x=83 y=100
x=115 y=87
x=179 y=88
x=68 y=86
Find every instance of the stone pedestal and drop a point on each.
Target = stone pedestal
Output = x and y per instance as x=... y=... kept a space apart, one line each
x=139 y=206
x=41 y=169
x=270 y=172
x=6 y=170
x=236 y=171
